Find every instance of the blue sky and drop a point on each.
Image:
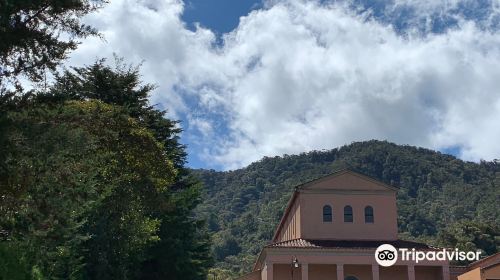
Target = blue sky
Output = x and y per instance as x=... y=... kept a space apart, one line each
x=221 y=16
x=257 y=79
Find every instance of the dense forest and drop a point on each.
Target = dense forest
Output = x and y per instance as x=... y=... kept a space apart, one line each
x=442 y=200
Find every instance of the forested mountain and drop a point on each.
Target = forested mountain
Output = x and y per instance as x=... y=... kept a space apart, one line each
x=442 y=200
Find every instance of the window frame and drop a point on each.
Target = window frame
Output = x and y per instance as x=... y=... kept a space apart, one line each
x=329 y=209
x=367 y=215
x=346 y=215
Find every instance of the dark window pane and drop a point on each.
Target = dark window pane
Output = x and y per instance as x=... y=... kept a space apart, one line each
x=327 y=213
x=369 y=217
x=348 y=218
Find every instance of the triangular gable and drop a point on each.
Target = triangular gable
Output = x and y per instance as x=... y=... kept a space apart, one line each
x=347 y=180
x=343 y=180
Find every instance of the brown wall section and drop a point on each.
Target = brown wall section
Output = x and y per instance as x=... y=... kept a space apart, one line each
x=428 y=272
x=284 y=272
x=291 y=226
x=385 y=216
x=304 y=217
x=492 y=272
x=359 y=271
x=474 y=274
x=346 y=180
x=362 y=272
x=394 y=273
x=322 y=272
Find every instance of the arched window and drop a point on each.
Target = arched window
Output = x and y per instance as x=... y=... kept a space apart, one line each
x=327 y=213
x=351 y=278
x=348 y=214
x=369 y=218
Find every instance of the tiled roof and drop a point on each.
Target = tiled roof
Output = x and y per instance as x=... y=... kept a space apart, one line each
x=486 y=261
x=333 y=244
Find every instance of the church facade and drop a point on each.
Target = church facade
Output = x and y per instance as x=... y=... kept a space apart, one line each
x=331 y=229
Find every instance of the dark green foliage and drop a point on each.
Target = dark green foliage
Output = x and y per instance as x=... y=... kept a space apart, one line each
x=183 y=249
x=436 y=191
x=92 y=177
x=78 y=176
x=97 y=189
x=120 y=86
x=12 y=267
x=471 y=236
x=32 y=34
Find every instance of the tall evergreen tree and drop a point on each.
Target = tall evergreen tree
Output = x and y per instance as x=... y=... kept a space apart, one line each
x=37 y=35
x=119 y=85
x=99 y=150
x=183 y=250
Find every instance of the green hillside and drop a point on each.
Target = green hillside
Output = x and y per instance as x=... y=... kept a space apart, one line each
x=442 y=200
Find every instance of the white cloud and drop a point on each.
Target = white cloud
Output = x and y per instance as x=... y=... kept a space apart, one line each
x=300 y=75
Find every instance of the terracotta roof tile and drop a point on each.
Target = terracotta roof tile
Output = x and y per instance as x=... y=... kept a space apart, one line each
x=486 y=261
x=332 y=244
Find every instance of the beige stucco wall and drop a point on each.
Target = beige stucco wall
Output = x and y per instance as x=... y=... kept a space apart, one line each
x=333 y=256
x=385 y=213
x=283 y=272
x=291 y=226
x=362 y=272
x=346 y=181
x=492 y=272
x=322 y=272
x=394 y=273
x=304 y=218
x=474 y=274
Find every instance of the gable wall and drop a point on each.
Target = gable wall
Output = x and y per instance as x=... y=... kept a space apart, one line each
x=304 y=216
x=383 y=228
x=347 y=181
x=471 y=275
x=291 y=226
x=492 y=272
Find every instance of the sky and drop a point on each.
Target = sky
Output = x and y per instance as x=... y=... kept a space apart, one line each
x=252 y=78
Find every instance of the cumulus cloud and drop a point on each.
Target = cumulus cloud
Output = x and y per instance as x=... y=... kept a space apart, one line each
x=302 y=75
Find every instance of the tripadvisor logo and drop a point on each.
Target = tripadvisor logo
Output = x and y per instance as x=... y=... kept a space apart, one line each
x=387 y=255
